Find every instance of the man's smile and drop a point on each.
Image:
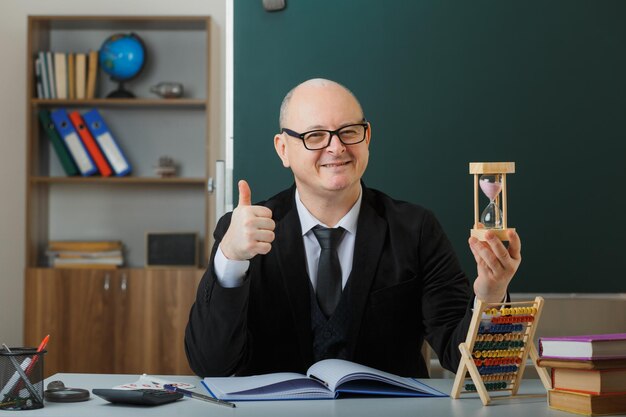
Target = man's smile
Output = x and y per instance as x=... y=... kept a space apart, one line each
x=335 y=164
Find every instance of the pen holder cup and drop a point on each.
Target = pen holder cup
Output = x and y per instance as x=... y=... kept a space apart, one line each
x=21 y=379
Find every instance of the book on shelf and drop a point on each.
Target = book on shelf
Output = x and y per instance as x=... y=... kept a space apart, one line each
x=600 y=381
x=89 y=142
x=60 y=75
x=38 y=79
x=86 y=266
x=41 y=56
x=81 y=75
x=51 y=74
x=598 y=346
x=114 y=261
x=67 y=254
x=326 y=379
x=107 y=142
x=57 y=144
x=588 y=404
x=84 y=245
x=92 y=73
x=71 y=76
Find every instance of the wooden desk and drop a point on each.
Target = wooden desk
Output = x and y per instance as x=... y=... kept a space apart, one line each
x=468 y=405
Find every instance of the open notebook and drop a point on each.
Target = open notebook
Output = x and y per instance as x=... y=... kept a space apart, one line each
x=326 y=379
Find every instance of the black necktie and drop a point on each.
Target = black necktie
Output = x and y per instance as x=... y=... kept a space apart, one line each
x=328 y=269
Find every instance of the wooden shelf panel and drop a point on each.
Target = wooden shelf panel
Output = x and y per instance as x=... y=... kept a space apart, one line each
x=123 y=268
x=126 y=103
x=119 y=180
x=121 y=22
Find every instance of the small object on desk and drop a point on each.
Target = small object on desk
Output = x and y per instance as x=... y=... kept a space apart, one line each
x=498 y=344
x=152 y=382
x=21 y=399
x=57 y=392
x=197 y=396
x=137 y=396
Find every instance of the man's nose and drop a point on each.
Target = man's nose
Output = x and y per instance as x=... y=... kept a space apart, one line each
x=336 y=145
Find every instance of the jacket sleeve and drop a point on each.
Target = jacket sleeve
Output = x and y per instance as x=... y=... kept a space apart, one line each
x=447 y=296
x=216 y=335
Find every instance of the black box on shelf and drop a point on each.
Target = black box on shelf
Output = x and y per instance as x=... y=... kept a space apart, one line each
x=171 y=249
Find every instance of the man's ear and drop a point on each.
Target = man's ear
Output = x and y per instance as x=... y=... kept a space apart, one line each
x=368 y=133
x=281 y=149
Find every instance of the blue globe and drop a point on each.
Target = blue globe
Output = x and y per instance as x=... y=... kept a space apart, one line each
x=122 y=56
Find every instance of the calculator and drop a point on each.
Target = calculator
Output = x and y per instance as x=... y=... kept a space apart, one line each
x=137 y=396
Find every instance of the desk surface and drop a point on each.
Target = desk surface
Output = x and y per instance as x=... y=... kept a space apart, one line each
x=468 y=405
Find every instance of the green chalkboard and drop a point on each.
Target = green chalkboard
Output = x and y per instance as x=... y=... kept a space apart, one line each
x=444 y=83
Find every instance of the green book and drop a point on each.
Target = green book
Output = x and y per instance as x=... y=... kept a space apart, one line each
x=64 y=156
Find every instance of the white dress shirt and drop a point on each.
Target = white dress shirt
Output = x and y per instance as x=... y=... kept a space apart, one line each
x=231 y=273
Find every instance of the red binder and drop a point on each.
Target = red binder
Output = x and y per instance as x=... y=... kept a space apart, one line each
x=91 y=145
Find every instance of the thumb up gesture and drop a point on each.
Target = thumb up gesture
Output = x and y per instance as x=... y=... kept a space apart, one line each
x=251 y=230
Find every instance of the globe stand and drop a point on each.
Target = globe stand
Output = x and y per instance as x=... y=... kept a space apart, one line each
x=121 y=92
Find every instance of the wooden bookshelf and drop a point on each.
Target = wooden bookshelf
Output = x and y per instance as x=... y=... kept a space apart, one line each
x=130 y=319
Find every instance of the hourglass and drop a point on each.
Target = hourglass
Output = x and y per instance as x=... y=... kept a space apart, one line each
x=490 y=178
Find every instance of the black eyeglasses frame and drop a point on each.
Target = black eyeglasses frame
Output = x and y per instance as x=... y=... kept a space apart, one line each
x=332 y=133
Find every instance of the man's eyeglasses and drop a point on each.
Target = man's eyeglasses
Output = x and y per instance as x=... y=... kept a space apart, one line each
x=319 y=139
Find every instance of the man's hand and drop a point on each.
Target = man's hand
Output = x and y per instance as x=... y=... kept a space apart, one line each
x=251 y=230
x=496 y=265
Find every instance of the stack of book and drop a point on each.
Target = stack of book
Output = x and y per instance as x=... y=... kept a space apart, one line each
x=60 y=75
x=85 y=254
x=588 y=373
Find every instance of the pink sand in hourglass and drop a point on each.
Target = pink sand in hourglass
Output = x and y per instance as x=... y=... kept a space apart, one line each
x=491 y=189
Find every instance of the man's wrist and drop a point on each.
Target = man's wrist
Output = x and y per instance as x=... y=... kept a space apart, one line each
x=230 y=273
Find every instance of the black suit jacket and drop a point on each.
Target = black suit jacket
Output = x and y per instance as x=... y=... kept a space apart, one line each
x=406 y=285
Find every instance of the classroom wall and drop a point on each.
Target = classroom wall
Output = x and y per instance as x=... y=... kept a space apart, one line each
x=13 y=25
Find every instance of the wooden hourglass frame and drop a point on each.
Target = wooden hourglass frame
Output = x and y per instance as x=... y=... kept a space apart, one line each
x=491 y=168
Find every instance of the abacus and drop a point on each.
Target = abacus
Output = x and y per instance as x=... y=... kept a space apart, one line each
x=499 y=341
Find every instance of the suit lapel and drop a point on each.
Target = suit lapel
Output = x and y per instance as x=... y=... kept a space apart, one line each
x=290 y=254
x=370 y=239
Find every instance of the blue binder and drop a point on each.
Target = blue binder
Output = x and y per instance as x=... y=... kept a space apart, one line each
x=73 y=143
x=101 y=133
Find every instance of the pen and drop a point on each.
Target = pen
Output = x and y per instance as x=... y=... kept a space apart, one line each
x=41 y=347
x=197 y=396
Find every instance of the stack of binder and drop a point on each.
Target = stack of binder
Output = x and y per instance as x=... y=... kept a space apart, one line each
x=84 y=143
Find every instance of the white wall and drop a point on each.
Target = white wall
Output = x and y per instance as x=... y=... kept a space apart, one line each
x=13 y=15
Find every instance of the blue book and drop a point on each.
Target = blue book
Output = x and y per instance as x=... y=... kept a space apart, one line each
x=112 y=151
x=73 y=143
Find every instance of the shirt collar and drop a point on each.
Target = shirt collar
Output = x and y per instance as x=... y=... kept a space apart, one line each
x=348 y=222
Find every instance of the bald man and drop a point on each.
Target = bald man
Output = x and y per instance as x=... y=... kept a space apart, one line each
x=265 y=303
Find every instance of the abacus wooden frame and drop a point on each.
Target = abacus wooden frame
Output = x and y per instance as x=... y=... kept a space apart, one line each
x=467 y=362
